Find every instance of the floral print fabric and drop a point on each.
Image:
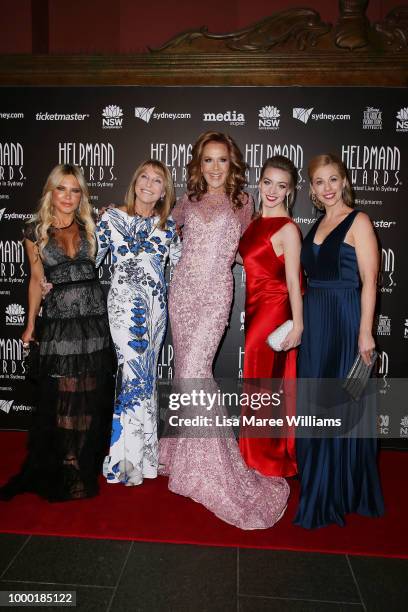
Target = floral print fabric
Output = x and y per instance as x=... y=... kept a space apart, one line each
x=137 y=306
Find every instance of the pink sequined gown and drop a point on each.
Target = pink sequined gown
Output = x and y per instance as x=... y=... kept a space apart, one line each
x=210 y=469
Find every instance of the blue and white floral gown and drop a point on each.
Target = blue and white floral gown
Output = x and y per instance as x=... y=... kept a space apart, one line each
x=137 y=308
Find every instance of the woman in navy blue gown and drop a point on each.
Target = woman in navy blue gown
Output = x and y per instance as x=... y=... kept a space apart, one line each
x=340 y=256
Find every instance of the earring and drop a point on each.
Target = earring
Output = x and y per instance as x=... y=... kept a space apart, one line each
x=287 y=202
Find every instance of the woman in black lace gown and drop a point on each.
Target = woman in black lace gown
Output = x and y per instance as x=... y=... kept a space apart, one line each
x=68 y=436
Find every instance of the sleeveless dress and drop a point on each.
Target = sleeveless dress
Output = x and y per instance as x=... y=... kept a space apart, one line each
x=208 y=467
x=266 y=307
x=69 y=433
x=337 y=475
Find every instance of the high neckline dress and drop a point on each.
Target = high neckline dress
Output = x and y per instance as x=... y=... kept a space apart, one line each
x=207 y=465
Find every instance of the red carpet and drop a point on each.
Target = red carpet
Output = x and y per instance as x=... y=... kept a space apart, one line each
x=151 y=513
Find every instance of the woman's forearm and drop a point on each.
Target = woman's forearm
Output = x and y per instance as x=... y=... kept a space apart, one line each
x=296 y=304
x=368 y=299
x=34 y=301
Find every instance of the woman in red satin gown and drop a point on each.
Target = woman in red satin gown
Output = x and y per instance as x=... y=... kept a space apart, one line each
x=270 y=250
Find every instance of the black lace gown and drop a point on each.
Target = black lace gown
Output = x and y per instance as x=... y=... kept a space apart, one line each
x=70 y=428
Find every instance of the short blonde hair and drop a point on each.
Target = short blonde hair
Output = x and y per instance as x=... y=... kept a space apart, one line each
x=329 y=159
x=162 y=206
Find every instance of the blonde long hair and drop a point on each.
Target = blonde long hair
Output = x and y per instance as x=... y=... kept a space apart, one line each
x=44 y=216
x=162 y=206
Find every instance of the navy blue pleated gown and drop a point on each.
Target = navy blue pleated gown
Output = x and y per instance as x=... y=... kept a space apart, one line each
x=337 y=475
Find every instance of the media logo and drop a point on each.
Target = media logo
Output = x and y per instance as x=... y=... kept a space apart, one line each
x=5 y=405
x=402 y=120
x=2 y=213
x=231 y=117
x=302 y=114
x=406 y=329
x=269 y=118
x=386 y=280
x=112 y=117
x=383 y=325
x=372 y=119
x=15 y=314
x=144 y=113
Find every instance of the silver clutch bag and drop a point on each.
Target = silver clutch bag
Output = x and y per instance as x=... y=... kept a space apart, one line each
x=357 y=378
x=279 y=334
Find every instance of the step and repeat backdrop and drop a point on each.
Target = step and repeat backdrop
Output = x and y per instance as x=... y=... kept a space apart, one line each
x=108 y=131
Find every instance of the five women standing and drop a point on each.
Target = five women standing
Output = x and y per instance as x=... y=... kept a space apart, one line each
x=338 y=475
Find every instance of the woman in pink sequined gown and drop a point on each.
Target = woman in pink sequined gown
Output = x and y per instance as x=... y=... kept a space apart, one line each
x=214 y=214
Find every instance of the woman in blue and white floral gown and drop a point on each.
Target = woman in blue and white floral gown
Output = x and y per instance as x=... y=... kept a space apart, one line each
x=141 y=237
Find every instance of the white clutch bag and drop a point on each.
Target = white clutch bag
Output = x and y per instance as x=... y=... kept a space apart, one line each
x=279 y=334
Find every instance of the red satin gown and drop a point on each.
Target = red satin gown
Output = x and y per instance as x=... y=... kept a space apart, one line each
x=266 y=307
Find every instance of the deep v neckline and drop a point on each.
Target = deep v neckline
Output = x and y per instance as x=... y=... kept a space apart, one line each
x=319 y=244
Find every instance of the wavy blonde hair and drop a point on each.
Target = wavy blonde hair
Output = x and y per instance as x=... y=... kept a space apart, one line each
x=162 y=206
x=329 y=159
x=44 y=217
x=236 y=181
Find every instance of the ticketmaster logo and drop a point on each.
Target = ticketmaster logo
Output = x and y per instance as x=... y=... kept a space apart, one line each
x=302 y=114
x=5 y=405
x=144 y=113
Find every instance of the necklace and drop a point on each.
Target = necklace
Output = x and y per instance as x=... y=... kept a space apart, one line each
x=64 y=226
x=152 y=214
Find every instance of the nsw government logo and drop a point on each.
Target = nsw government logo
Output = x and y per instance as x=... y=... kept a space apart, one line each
x=302 y=114
x=112 y=117
x=372 y=119
x=402 y=120
x=15 y=314
x=269 y=118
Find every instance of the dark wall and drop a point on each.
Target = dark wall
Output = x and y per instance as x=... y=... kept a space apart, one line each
x=129 y=26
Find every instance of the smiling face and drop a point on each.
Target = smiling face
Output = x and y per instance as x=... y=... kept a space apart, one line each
x=327 y=184
x=66 y=196
x=215 y=165
x=149 y=187
x=274 y=185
